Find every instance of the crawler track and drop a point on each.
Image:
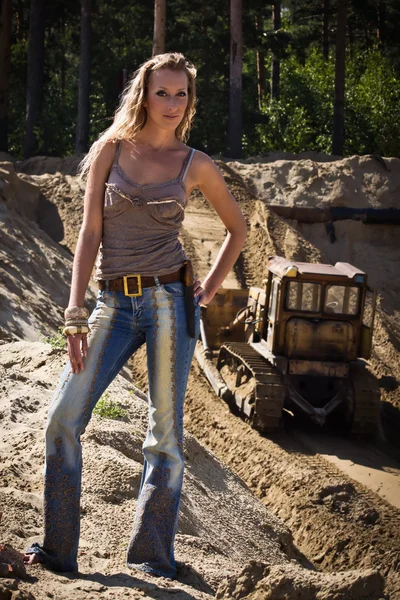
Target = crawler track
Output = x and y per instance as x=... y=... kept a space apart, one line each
x=262 y=400
x=365 y=401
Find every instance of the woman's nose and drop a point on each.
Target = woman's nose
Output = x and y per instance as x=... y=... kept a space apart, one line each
x=172 y=106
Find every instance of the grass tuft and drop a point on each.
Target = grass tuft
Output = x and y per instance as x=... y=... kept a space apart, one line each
x=58 y=340
x=108 y=409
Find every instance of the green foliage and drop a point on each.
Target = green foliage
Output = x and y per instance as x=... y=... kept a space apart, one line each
x=373 y=106
x=58 y=340
x=302 y=117
x=300 y=120
x=108 y=409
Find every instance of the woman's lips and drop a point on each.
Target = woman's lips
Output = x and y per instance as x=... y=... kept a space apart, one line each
x=171 y=117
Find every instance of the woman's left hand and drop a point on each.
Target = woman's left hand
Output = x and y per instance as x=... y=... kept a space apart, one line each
x=205 y=295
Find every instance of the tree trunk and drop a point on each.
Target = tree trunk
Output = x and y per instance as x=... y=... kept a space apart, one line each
x=338 y=117
x=82 y=127
x=381 y=22
x=261 y=71
x=63 y=67
x=5 y=67
x=124 y=78
x=159 y=26
x=275 y=64
x=235 y=82
x=208 y=129
x=34 y=84
x=325 y=29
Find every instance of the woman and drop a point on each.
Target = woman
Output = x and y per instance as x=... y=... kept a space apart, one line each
x=140 y=174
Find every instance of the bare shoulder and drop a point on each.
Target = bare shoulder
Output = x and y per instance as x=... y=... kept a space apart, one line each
x=203 y=162
x=202 y=168
x=102 y=163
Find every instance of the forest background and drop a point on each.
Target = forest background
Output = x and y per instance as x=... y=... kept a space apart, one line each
x=288 y=52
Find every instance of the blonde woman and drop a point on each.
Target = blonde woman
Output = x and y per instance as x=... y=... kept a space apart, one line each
x=139 y=173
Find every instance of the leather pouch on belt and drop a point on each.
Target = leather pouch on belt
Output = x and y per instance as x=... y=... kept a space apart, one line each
x=189 y=297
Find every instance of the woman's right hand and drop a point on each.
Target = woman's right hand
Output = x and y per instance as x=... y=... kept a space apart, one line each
x=77 y=350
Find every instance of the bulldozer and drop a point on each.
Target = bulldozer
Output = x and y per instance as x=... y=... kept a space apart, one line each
x=298 y=344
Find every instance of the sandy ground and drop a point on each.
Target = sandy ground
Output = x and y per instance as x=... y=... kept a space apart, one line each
x=210 y=543
x=234 y=542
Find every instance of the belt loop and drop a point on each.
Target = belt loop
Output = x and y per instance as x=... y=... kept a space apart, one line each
x=106 y=285
x=157 y=281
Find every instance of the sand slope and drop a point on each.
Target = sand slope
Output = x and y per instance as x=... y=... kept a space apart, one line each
x=223 y=525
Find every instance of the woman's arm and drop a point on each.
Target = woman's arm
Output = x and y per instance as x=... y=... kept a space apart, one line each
x=88 y=244
x=209 y=180
x=92 y=226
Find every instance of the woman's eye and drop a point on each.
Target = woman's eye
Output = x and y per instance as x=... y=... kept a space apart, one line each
x=162 y=92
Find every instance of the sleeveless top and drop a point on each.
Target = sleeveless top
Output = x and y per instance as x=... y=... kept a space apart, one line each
x=141 y=224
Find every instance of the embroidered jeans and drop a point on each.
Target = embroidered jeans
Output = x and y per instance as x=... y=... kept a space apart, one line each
x=119 y=326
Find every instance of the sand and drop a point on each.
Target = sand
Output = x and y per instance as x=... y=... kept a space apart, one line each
x=287 y=516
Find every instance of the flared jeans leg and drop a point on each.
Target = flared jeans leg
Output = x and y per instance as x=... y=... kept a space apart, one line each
x=119 y=326
x=110 y=344
x=169 y=354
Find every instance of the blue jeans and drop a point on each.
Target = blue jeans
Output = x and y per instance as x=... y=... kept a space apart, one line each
x=119 y=325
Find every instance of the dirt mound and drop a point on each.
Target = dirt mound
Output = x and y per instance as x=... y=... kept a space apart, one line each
x=7 y=157
x=11 y=562
x=274 y=156
x=221 y=526
x=18 y=195
x=40 y=165
x=357 y=181
x=335 y=522
x=35 y=271
x=258 y=581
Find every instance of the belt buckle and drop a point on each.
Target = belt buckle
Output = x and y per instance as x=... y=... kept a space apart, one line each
x=139 y=283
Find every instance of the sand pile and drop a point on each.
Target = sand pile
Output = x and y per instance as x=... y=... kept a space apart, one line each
x=337 y=523
x=259 y=581
x=41 y=165
x=222 y=525
x=357 y=181
x=35 y=271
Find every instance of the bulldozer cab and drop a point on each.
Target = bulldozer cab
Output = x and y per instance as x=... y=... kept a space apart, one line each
x=316 y=311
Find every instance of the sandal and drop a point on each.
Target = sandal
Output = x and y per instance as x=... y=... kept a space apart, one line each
x=43 y=557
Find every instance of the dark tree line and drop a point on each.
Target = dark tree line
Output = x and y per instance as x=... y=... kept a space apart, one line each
x=261 y=84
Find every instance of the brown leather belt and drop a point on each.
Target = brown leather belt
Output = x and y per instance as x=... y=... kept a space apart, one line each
x=132 y=285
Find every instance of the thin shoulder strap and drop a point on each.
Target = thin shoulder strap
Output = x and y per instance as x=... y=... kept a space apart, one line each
x=186 y=164
x=117 y=152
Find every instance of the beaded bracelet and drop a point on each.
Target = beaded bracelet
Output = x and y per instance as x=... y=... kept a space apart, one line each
x=76 y=312
x=76 y=320
x=71 y=330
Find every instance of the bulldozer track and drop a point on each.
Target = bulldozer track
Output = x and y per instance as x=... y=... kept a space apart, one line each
x=264 y=408
x=317 y=464
x=366 y=401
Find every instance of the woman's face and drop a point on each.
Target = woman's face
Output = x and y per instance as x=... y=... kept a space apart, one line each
x=167 y=97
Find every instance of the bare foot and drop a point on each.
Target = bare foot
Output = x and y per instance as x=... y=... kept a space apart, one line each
x=31 y=559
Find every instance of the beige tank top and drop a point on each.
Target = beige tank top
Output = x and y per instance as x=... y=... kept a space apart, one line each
x=141 y=224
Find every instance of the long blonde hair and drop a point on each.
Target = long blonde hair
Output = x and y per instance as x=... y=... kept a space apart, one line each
x=130 y=116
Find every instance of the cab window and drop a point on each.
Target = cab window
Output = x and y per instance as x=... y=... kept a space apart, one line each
x=341 y=300
x=303 y=296
x=274 y=299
